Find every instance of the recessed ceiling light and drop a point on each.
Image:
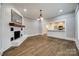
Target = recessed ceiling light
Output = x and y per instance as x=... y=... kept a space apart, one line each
x=60 y=10
x=25 y=10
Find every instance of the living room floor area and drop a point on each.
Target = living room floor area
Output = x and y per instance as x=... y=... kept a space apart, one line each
x=42 y=45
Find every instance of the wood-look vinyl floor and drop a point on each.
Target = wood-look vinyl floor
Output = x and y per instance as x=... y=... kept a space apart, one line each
x=43 y=46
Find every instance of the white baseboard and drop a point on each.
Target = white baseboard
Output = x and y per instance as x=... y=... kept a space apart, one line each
x=34 y=34
x=3 y=50
x=19 y=41
x=77 y=43
x=15 y=43
x=72 y=39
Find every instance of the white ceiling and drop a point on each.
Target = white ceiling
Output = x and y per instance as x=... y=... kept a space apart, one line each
x=50 y=9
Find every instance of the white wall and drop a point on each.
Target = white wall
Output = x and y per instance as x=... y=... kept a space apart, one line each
x=43 y=26
x=4 y=18
x=0 y=28
x=32 y=27
x=77 y=26
x=6 y=33
x=69 y=32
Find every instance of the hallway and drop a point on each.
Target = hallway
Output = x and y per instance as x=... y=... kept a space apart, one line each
x=43 y=46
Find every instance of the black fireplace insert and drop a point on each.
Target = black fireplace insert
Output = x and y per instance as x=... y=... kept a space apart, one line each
x=16 y=34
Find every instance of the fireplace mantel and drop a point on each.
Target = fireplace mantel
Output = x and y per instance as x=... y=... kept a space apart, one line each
x=16 y=24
